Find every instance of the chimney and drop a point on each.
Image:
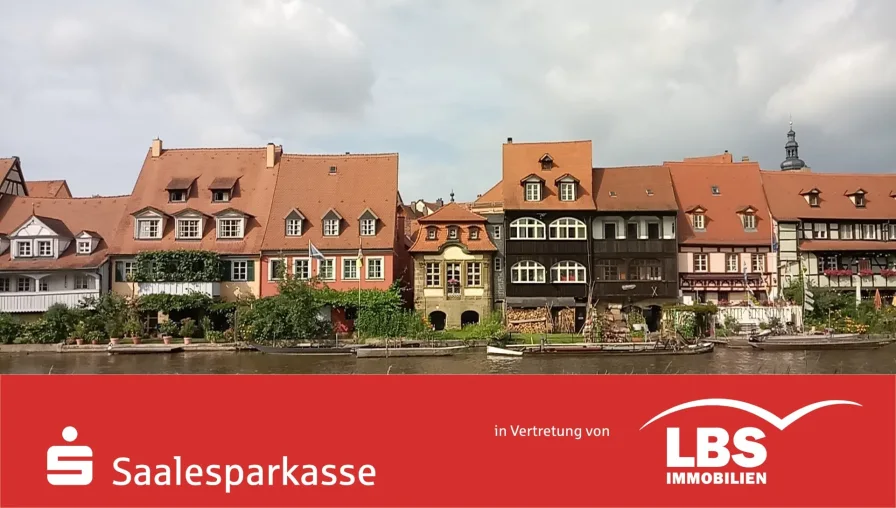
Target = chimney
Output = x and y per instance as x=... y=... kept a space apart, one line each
x=270 y=155
x=509 y=140
x=156 y=147
x=745 y=158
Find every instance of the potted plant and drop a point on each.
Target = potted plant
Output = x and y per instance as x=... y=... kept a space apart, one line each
x=187 y=330
x=79 y=333
x=167 y=330
x=214 y=336
x=133 y=328
x=94 y=336
x=115 y=331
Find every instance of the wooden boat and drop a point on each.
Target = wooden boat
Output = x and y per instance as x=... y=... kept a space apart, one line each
x=491 y=350
x=399 y=352
x=306 y=350
x=614 y=349
x=143 y=350
x=818 y=342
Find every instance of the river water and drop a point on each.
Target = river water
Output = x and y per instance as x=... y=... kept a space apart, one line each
x=720 y=361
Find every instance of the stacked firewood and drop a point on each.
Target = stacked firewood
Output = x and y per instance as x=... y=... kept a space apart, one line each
x=536 y=320
x=613 y=324
x=566 y=321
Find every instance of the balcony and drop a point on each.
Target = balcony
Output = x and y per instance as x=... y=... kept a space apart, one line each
x=851 y=281
x=41 y=301
x=635 y=289
x=635 y=247
x=178 y=288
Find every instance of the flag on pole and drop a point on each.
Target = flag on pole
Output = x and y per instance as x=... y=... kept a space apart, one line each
x=360 y=258
x=313 y=253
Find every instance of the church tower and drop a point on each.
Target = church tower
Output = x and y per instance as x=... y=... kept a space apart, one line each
x=792 y=148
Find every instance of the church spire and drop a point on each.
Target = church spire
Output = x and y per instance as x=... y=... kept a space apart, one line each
x=792 y=149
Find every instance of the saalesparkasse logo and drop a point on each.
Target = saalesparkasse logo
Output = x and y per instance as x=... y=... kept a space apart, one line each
x=712 y=453
x=64 y=472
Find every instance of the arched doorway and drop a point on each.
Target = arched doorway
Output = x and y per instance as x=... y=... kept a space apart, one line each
x=653 y=315
x=437 y=319
x=470 y=317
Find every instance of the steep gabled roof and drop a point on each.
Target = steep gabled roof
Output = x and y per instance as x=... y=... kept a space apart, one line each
x=521 y=160
x=634 y=189
x=784 y=189
x=48 y=189
x=199 y=168
x=360 y=182
x=739 y=188
x=97 y=216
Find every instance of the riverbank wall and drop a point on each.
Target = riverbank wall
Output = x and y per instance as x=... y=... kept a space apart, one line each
x=102 y=348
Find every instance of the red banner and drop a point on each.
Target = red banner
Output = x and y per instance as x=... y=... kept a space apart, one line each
x=447 y=441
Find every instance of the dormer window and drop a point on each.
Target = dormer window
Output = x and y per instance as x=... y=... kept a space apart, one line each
x=474 y=233
x=84 y=246
x=332 y=221
x=431 y=233
x=547 y=162
x=367 y=222
x=699 y=221
x=149 y=228
x=177 y=196
x=715 y=190
x=221 y=196
x=222 y=188
x=45 y=248
x=231 y=224
x=23 y=249
x=650 y=192
x=533 y=191
x=859 y=199
x=188 y=225
x=567 y=185
x=179 y=188
x=749 y=220
x=452 y=233
x=813 y=199
x=293 y=227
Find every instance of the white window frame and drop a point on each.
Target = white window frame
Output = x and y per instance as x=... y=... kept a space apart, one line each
x=577 y=270
x=432 y=274
x=432 y=233
x=368 y=264
x=149 y=222
x=700 y=222
x=332 y=263
x=24 y=249
x=534 y=271
x=534 y=229
x=84 y=246
x=474 y=274
x=820 y=230
x=29 y=282
x=533 y=191
x=757 y=263
x=454 y=268
x=179 y=192
x=813 y=199
x=498 y=266
x=368 y=227
x=331 y=227
x=306 y=272
x=271 y=262
x=474 y=233
x=496 y=231
x=698 y=266
x=183 y=222
x=39 y=244
x=728 y=258
x=749 y=222
x=225 y=196
x=561 y=228
x=567 y=191
x=233 y=270
x=346 y=261
x=240 y=227
x=79 y=280
x=452 y=233
x=293 y=227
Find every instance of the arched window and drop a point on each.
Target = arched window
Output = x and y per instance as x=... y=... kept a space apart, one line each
x=645 y=269
x=567 y=228
x=527 y=272
x=527 y=228
x=568 y=272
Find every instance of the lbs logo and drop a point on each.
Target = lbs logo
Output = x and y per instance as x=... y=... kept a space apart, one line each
x=712 y=445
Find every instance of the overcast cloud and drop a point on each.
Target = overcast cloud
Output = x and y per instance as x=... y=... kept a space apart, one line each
x=87 y=85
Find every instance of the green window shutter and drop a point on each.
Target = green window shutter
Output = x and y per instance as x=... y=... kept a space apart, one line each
x=119 y=271
x=226 y=267
x=250 y=270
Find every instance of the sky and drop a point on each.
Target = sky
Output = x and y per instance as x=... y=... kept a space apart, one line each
x=87 y=85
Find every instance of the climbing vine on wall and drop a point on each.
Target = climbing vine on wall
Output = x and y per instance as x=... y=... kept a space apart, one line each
x=178 y=266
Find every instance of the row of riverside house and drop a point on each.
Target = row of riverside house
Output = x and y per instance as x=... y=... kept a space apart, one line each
x=258 y=209
x=552 y=230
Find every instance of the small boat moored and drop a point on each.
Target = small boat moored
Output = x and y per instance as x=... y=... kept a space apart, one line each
x=496 y=351
x=615 y=349
x=818 y=342
x=399 y=352
x=143 y=350
x=306 y=350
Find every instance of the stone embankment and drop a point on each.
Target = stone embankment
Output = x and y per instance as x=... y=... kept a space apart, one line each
x=202 y=347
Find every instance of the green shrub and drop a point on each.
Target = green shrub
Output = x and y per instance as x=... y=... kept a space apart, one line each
x=38 y=332
x=169 y=328
x=492 y=328
x=188 y=327
x=10 y=329
x=59 y=322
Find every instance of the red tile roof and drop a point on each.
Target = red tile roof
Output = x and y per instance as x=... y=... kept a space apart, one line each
x=784 y=189
x=523 y=159
x=48 y=189
x=454 y=213
x=422 y=245
x=739 y=185
x=69 y=217
x=202 y=166
x=853 y=245
x=492 y=197
x=360 y=182
x=634 y=189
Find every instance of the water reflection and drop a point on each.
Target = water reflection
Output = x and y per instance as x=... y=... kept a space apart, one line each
x=722 y=361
